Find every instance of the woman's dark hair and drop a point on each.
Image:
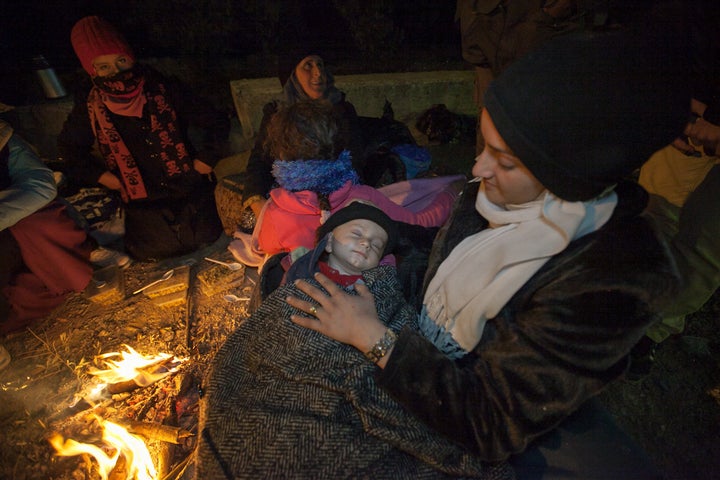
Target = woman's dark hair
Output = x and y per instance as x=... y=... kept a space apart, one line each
x=302 y=131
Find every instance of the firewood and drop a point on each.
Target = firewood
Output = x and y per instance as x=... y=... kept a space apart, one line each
x=158 y=431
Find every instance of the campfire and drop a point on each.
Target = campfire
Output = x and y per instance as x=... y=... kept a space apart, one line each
x=127 y=449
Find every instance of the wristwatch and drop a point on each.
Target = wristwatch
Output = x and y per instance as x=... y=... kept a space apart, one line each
x=380 y=349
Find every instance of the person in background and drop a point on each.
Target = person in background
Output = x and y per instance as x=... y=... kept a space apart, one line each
x=314 y=182
x=303 y=75
x=141 y=122
x=547 y=278
x=684 y=182
x=493 y=34
x=44 y=255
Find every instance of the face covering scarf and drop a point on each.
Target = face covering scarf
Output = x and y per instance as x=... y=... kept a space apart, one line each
x=164 y=133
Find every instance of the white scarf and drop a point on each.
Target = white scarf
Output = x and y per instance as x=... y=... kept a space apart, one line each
x=486 y=269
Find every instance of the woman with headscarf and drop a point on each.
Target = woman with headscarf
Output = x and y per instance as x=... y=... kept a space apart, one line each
x=140 y=121
x=304 y=77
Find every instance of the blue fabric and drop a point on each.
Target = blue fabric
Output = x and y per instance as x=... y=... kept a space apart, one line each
x=321 y=176
x=416 y=159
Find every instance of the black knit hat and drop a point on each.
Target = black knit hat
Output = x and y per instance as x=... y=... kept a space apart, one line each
x=310 y=27
x=585 y=110
x=291 y=54
x=356 y=210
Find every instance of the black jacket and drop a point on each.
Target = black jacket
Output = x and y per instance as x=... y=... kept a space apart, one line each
x=560 y=339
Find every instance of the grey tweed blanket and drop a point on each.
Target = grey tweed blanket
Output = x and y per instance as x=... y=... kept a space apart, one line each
x=282 y=401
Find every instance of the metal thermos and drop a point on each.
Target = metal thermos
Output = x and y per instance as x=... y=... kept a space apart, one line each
x=51 y=84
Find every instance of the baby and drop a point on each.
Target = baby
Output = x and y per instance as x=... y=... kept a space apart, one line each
x=352 y=240
x=269 y=363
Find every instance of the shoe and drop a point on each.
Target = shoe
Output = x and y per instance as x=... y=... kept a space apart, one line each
x=4 y=358
x=104 y=257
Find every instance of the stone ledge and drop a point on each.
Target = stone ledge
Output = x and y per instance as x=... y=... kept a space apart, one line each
x=408 y=92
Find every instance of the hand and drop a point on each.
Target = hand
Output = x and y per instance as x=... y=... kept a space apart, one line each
x=683 y=145
x=704 y=133
x=257 y=207
x=202 y=167
x=350 y=319
x=109 y=180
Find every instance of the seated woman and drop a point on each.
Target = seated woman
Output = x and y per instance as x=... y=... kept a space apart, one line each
x=314 y=181
x=549 y=277
x=303 y=77
x=140 y=121
x=44 y=255
x=307 y=37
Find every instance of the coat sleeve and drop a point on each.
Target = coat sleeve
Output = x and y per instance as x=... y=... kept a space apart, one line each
x=549 y=350
x=33 y=185
x=207 y=127
x=75 y=145
x=258 y=174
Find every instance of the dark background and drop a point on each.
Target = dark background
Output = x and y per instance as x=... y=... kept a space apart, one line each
x=227 y=38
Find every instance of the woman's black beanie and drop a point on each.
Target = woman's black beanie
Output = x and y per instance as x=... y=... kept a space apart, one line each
x=585 y=110
x=356 y=210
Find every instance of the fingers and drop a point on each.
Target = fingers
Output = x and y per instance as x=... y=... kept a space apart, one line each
x=306 y=307
x=682 y=145
x=314 y=292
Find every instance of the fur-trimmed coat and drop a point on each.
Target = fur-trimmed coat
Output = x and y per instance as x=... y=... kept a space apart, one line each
x=283 y=401
x=559 y=340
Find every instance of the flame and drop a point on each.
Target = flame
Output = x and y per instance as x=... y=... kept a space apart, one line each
x=139 y=464
x=134 y=366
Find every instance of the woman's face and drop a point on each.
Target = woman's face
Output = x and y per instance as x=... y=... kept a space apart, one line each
x=506 y=180
x=108 y=65
x=310 y=73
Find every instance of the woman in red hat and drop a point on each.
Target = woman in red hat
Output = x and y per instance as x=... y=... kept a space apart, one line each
x=140 y=120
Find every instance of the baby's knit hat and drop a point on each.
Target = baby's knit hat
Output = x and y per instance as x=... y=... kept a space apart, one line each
x=585 y=110
x=362 y=210
x=93 y=36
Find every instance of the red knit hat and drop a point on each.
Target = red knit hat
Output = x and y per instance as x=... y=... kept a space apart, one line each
x=92 y=36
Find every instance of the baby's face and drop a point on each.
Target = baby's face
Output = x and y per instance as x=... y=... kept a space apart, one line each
x=356 y=246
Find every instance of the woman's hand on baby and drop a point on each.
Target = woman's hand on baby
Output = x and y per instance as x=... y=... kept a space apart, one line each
x=350 y=319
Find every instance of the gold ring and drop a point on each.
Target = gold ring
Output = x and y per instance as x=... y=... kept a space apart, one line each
x=313 y=311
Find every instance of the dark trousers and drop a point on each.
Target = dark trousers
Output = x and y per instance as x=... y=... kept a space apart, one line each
x=587 y=446
x=171 y=227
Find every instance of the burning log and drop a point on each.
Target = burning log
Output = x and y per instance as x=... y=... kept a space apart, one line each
x=134 y=370
x=158 y=431
x=121 y=387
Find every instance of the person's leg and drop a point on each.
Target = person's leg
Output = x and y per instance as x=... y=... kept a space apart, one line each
x=696 y=247
x=588 y=445
x=10 y=264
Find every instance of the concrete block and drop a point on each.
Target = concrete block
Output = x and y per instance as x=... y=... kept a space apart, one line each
x=409 y=92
